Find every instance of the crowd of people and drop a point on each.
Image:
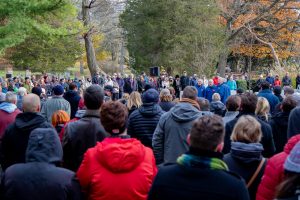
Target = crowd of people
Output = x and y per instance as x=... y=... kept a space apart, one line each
x=114 y=137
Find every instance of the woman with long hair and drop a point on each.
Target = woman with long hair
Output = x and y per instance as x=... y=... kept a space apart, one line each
x=262 y=109
x=134 y=102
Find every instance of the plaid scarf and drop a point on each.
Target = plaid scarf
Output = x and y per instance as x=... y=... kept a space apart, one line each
x=202 y=162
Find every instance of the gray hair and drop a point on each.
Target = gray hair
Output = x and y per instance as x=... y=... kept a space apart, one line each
x=22 y=91
x=11 y=97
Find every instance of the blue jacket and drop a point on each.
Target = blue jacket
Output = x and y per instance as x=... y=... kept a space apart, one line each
x=209 y=91
x=232 y=84
x=201 y=90
x=272 y=99
x=271 y=80
x=193 y=82
x=224 y=92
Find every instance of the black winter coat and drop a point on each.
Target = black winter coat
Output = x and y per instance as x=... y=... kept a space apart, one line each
x=143 y=121
x=279 y=125
x=194 y=183
x=39 y=178
x=166 y=106
x=73 y=98
x=267 y=138
x=80 y=136
x=15 y=139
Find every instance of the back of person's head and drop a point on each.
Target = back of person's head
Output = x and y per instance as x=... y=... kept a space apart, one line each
x=287 y=90
x=134 y=100
x=22 y=91
x=204 y=104
x=247 y=130
x=31 y=103
x=265 y=85
x=293 y=123
x=114 y=117
x=248 y=103
x=150 y=96
x=165 y=95
x=296 y=97
x=11 y=97
x=147 y=87
x=60 y=117
x=216 y=97
x=207 y=133
x=190 y=92
x=288 y=104
x=277 y=90
x=93 y=97
x=58 y=90
x=72 y=86
x=240 y=91
x=233 y=103
x=125 y=96
x=262 y=107
x=37 y=90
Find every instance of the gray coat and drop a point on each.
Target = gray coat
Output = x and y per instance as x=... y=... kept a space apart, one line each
x=230 y=115
x=54 y=104
x=169 y=139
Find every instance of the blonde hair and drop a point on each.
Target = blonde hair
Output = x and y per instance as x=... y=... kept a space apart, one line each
x=134 y=100
x=125 y=96
x=247 y=130
x=165 y=95
x=262 y=107
x=216 y=97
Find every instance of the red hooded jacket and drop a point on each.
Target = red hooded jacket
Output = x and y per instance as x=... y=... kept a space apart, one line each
x=117 y=169
x=274 y=172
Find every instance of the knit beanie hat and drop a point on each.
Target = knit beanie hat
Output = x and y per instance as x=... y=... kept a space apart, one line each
x=150 y=96
x=292 y=163
x=58 y=90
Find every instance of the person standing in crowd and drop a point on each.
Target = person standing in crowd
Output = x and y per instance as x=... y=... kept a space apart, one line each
x=210 y=90
x=169 y=139
x=63 y=83
x=277 y=81
x=143 y=121
x=223 y=90
x=73 y=98
x=232 y=84
x=4 y=87
x=286 y=80
x=279 y=123
x=21 y=93
x=13 y=144
x=59 y=120
x=127 y=166
x=270 y=79
x=184 y=80
x=42 y=95
x=204 y=106
x=233 y=104
x=23 y=181
x=293 y=126
x=8 y=111
x=16 y=82
x=176 y=86
x=193 y=81
x=277 y=93
x=258 y=83
x=245 y=157
x=165 y=99
x=27 y=84
x=262 y=110
x=121 y=84
x=200 y=173
x=86 y=132
x=134 y=102
x=216 y=80
x=267 y=93
x=201 y=88
x=248 y=106
x=130 y=84
x=298 y=81
x=216 y=106
x=57 y=102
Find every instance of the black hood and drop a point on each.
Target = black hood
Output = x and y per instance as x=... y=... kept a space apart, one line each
x=29 y=120
x=44 y=146
x=281 y=118
x=150 y=109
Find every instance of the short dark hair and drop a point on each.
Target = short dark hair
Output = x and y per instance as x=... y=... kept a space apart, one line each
x=114 y=117
x=288 y=104
x=72 y=86
x=204 y=104
x=288 y=90
x=265 y=85
x=233 y=103
x=190 y=92
x=248 y=102
x=207 y=133
x=93 y=97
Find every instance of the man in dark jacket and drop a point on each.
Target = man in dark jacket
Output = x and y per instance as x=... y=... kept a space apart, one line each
x=86 y=132
x=130 y=84
x=169 y=139
x=14 y=141
x=200 y=173
x=279 y=123
x=267 y=93
x=270 y=79
x=286 y=80
x=184 y=80
x=39 y=178
x=248 y=106
x=142 y=122
x=73 y=98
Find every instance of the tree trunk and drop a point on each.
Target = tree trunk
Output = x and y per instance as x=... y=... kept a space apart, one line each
x=90 y=51
x=222 y=63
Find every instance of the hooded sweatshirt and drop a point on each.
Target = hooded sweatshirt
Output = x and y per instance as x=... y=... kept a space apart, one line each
x=127 y=167
x=8 y=113
x=169 y=139
x=39 y=178
x=15 y=138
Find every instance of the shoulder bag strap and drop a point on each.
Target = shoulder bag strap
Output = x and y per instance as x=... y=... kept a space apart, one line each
x=261 y=164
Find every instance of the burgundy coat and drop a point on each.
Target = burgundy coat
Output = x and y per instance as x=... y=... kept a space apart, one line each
x=6 y=119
